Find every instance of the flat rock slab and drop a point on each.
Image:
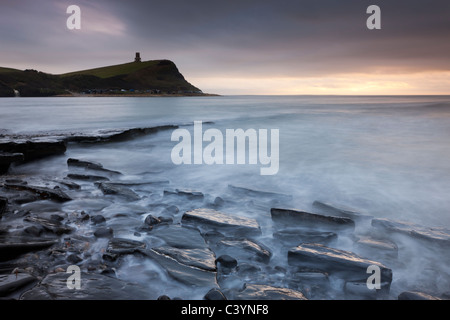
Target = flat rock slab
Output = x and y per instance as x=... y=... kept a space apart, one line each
x=439 y=236
x=7 y=158
x=377 y=248
x=292 y=217
x=42 y=192
x=344 y=264
x=216 y=220
x=259 y=193
x=50 y=225
x=34 y=148
x=184 y=273
x=9 y=250
x=188 y=193
x=416 y=295
x=179 y=237
x=123 y=191
x=115 y=135
x=244 y=249
x=297 y=236
x=201 y=258
x=264 y=292
x=124 y=246
x=71 y=162
x=341 y=211
x=86 y=177
x=10 y=283
x=94 y=286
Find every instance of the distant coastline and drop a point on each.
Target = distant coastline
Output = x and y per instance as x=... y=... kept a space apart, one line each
x=143 y=94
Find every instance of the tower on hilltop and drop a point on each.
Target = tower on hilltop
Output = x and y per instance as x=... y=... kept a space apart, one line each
x=138 y=57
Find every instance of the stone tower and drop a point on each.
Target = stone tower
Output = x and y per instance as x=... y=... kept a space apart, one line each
x=138 y=57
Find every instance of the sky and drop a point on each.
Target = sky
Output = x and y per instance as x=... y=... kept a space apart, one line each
x=243 y=46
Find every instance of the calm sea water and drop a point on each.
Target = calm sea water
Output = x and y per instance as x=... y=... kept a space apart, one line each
x=386 y=155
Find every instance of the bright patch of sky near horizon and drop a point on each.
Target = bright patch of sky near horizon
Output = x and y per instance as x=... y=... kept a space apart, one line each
x=243 y=47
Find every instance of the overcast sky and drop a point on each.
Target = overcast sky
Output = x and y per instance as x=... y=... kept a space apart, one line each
x=243 y=46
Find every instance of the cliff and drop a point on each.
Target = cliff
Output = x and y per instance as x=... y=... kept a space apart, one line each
x=155 y=76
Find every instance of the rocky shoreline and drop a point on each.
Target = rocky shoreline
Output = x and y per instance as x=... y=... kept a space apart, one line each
x=48 y=224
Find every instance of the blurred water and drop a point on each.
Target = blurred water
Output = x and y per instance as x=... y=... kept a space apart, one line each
x=388 y=156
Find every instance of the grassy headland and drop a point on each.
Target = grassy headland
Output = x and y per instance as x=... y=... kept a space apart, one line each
x=135 y=78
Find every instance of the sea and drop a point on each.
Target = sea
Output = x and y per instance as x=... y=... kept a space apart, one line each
x=388 y=156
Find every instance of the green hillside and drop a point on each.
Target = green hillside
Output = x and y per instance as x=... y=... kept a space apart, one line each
x=156 y=76
x=116 y=70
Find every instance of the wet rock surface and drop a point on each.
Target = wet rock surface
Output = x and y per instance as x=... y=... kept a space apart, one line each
x=146 y=237
x=437 y=235
x=214 y=220
x=343 y=263
x=307 y=219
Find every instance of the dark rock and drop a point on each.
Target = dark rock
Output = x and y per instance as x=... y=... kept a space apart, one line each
x=244 y=249
x=151 y=220
x=215 y=294
x=439 y=236
x=163 y=297
x=98 y=219
x=305 y=219
x=109 y=272
x=69 y=184
x=34 y=149
x=49 y=225
x=179 y=237
x=343 y=264
x=314 y=283
x=41 y=192
x=214 y=220
x=56 y=217
x=33 y=231
x=94 y=286
x=415 y=295
x=108 y=188
x=3 y=205
x=213 y=236
x=89 y=165
x=227 y=261
x=124 y=246
x=264 y=292
x=10 y=250
x=74 y=259
x=259 y=193
x=186 y=274
x=377 y=249
x=110 y=257
x=87 y=177
x=341 y=211
x=115 y=135
x=7 y=158
x=11 y=283
x=201 y=258
x=172 y=209
x=189 y=194
x=218 y=202
x=299 y=235
x=104 y=233
x=245 y=269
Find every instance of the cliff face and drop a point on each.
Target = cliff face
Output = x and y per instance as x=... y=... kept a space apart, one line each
x=150 y=76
